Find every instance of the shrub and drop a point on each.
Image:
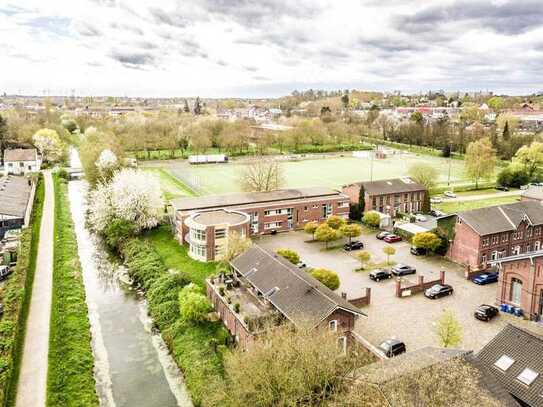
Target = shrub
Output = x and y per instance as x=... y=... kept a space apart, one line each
x=310 y=228
x=513 y=175
x=335 y=222
x=350 y=231
x=290 y=255
x=426 y=240
x=118 y=231
x=372 y=219
x=193 y=305
x=326 y=234
x=327 y=277
x=236 y=307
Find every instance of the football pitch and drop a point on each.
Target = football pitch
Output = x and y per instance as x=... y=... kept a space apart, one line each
x=329 y=172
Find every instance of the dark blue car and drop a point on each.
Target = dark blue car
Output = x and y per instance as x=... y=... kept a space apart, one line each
x=486 y=278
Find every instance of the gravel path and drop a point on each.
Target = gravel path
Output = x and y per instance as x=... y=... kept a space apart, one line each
x=32 y=387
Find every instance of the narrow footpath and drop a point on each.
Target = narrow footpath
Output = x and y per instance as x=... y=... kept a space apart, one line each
x=32 y=387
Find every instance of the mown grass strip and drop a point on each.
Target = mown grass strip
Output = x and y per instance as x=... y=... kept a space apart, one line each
x=16 y=299
x=70 y=380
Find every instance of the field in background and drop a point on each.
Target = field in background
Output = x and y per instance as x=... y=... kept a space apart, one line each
x=329 y=172
x=459 y=206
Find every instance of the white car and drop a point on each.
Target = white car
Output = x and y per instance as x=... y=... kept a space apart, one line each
x=449 y=194
x=420 y=218
x=436 y=200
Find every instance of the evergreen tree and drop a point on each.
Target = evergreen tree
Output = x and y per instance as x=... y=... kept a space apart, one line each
x=426 y=205
x=197 y=106
x=3 y=136
x=345 y=100
x=361 y=200
x=186 y=108
x=506 y=135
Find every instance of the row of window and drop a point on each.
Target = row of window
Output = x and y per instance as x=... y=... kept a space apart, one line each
x=498 y=254
x=415 y=196
x=504 y=237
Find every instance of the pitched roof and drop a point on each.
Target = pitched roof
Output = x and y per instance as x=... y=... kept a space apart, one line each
x=246 y=198
x=525 y=348
x=14 y=196
x=391 y=186
x=295 y=293
x=21 y=154
x=503 y=218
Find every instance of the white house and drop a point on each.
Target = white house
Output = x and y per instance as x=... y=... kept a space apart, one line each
x=21 y=161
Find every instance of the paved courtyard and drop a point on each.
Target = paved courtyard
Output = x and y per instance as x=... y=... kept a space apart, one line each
x=411 y=319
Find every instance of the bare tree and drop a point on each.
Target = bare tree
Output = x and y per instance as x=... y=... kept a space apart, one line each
x=261 y=175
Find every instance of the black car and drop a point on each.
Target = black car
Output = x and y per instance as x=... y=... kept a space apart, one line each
x=402 y=270
x=438 y=290
x=380 y=274
x=502 y=188
x=392 y=347
x=485 y=312
x=355 y=245
x=418 y=251
x=382 y=235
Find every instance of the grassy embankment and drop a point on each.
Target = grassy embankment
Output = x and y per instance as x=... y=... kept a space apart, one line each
x=16 y=299
x=70 y=380
x=194 y=346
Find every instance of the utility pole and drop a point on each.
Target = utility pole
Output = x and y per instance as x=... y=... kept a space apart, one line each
x=371 y=164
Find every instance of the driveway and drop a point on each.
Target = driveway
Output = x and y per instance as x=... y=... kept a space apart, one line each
x=411 y=319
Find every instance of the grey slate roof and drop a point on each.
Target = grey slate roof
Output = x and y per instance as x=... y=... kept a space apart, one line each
x=244 y=198
x=14 y=196
x=20 y=154
x=296 y=294
x=503 y=218
x=391 y=186
x=526 y=349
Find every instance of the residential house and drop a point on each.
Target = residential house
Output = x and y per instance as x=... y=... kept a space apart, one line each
x=16 y=194
x=514 y=357
x=269 y=212
x=389 y=196
x=521 y=283
x=270 y=290
x=21 y=161
x=488 y=234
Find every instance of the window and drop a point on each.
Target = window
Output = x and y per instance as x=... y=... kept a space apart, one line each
x=495 y=239
x=494 y=255
x=537 y=245
x=504 y=362
x=197 y=234
x=272 y=225
x=342 y=343
x=527 y=376
x=374 y=202
x=333 y=325
x=485 y=241
x=515 y=251
x=198 y=250
x=343 y=204
x=516 y=291
x=505 y=237
x=220 y=233
x=483 y=258
x=305 y=208
x=529 y=232
x=537 y=231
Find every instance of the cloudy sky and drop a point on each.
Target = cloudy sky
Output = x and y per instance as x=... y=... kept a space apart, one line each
x=217 y=48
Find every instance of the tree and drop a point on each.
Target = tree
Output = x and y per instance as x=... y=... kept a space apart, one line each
x=495 y=103
x=506 y=135
x=48 y=144
x=480 y=160
x=186 y=107
x=350 y=231
x=193 y=305
x=449 y=330
x=424 y=174
x=310 y=228
x=261 y=175
x=372 y=219
x=197 y=106
x=3 y=135
x=530 y=157
x=107 y=164
x=237 y=244
x=335 y=222
x=426 y=204
x=514 y=175
x=289 y=254
x=119 y=231
x=363 y=257
x=132 y=195
x=417 y=117
x=345 y=100
x=69 y=124
x=389 y=251
x=426 y=240
x=326 y=234
x=446 y=151
x=327 y=277
x=362 y=199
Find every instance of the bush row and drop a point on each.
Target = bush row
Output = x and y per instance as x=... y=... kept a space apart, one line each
x=70 y=378
x=16 y=300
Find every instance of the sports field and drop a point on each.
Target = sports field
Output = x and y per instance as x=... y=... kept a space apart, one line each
x=331 y=172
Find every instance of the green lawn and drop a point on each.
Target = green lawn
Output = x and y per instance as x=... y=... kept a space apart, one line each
x=453 y=207
x=328 y=172
x=172 y=187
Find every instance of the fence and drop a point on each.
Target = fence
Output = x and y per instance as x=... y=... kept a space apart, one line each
x=419 y=287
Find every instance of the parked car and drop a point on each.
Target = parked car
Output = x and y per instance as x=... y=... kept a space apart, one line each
x=4 y=272
x=382 y=235
x=391 y=238
x=420 y=218
x=354 y=245
x=449 y=194
x=502 y=188
x=438 y=290
x=486 y=278
x=418 y=251
x=437 y=213
x=485 y=312
x=380 y=274
x=301 y=265
x=392 y=347
x=402 y=270
x=436 y=200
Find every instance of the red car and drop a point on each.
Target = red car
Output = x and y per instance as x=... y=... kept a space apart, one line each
x=392 y=238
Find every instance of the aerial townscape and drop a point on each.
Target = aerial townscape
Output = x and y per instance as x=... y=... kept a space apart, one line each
x=271 y=204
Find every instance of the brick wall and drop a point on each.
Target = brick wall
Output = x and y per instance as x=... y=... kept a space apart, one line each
x=464 y=249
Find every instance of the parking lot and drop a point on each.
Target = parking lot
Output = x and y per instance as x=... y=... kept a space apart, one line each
x=411 y=319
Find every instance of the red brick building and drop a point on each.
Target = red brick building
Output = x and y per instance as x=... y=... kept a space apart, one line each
x=389 y=196
x=488 y=234
x=268 y=288
x=521 y=283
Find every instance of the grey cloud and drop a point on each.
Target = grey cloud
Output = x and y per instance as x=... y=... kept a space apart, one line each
x=334 y=53
x=86 y=29
x=261 y=78
x=133 y=59
x=220 y=62
x=174 y=19
x=127 y=27
x=250 y=68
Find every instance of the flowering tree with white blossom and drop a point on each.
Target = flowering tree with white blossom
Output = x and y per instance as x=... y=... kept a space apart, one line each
x=106 y=164
x=49 y=144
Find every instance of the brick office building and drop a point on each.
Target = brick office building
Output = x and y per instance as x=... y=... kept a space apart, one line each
x=488 y=234
x=268 y=288
x=389 y=196
x=521 y=283
x=269 y=212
